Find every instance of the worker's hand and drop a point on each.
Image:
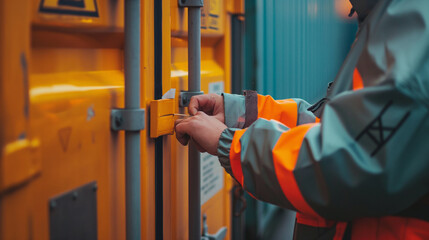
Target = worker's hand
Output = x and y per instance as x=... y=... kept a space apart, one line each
x=211 y=104
x=202 y=129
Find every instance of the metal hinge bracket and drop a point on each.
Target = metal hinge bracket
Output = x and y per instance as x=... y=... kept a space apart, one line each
x=127 y=119
x=185 y=97
x=191 y=3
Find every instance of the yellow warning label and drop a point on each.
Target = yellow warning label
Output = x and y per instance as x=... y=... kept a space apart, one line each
x=71 y=7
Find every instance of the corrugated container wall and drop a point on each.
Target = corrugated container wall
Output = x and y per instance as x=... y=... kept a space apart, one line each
x=299 y=46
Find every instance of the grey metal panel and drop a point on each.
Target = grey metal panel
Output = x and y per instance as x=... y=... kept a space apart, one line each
x=73 y=215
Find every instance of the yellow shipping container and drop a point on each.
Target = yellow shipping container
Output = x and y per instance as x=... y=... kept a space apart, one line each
x=62 y=167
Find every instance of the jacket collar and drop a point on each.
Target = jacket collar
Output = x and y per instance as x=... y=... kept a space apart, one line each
x=363 y=7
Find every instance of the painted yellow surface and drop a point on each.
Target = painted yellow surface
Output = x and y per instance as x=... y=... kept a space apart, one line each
x=162 y=117
x=20 y=162
x=235 y=7
x=60 y=75
x=57 y=88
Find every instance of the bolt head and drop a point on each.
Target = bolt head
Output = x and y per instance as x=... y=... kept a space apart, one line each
x=118 y=121
x=75 y=195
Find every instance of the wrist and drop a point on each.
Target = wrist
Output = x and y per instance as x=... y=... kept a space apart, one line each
x=224 y=146
x=234 y=110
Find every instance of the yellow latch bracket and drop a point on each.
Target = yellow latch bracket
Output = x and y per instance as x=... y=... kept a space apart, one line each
x=162 y=117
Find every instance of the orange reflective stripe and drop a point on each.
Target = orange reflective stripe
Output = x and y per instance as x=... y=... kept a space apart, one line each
x=314 y=221
x=357 y=80
x=285 y=155
x=390 y=227
x=284 y=111
x=252 y=195
x=235 y=156
x=317 y=120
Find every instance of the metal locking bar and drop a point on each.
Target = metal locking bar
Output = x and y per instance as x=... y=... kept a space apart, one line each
x=131 y=118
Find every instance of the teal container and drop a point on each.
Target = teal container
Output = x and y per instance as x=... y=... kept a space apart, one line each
x=292 y=49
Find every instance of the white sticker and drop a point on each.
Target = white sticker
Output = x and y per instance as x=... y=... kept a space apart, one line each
x=170 y=94
x=211 y=177
x=216 y=87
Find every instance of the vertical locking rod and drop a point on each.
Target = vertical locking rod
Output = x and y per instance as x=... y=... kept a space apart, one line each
x=132 y=101
x=194 y=85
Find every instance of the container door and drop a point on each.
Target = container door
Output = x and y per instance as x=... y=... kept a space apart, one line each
x=62 y=167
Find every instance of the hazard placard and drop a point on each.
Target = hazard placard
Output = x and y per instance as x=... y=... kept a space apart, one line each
x=72 y=7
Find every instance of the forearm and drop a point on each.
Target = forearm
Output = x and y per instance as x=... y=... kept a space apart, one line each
x=242 y=110
x=335 y=169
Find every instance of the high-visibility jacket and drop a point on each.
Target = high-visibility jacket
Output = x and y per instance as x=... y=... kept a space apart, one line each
x=356 y=164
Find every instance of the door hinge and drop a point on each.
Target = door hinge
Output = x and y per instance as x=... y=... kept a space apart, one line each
x=127 y=119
